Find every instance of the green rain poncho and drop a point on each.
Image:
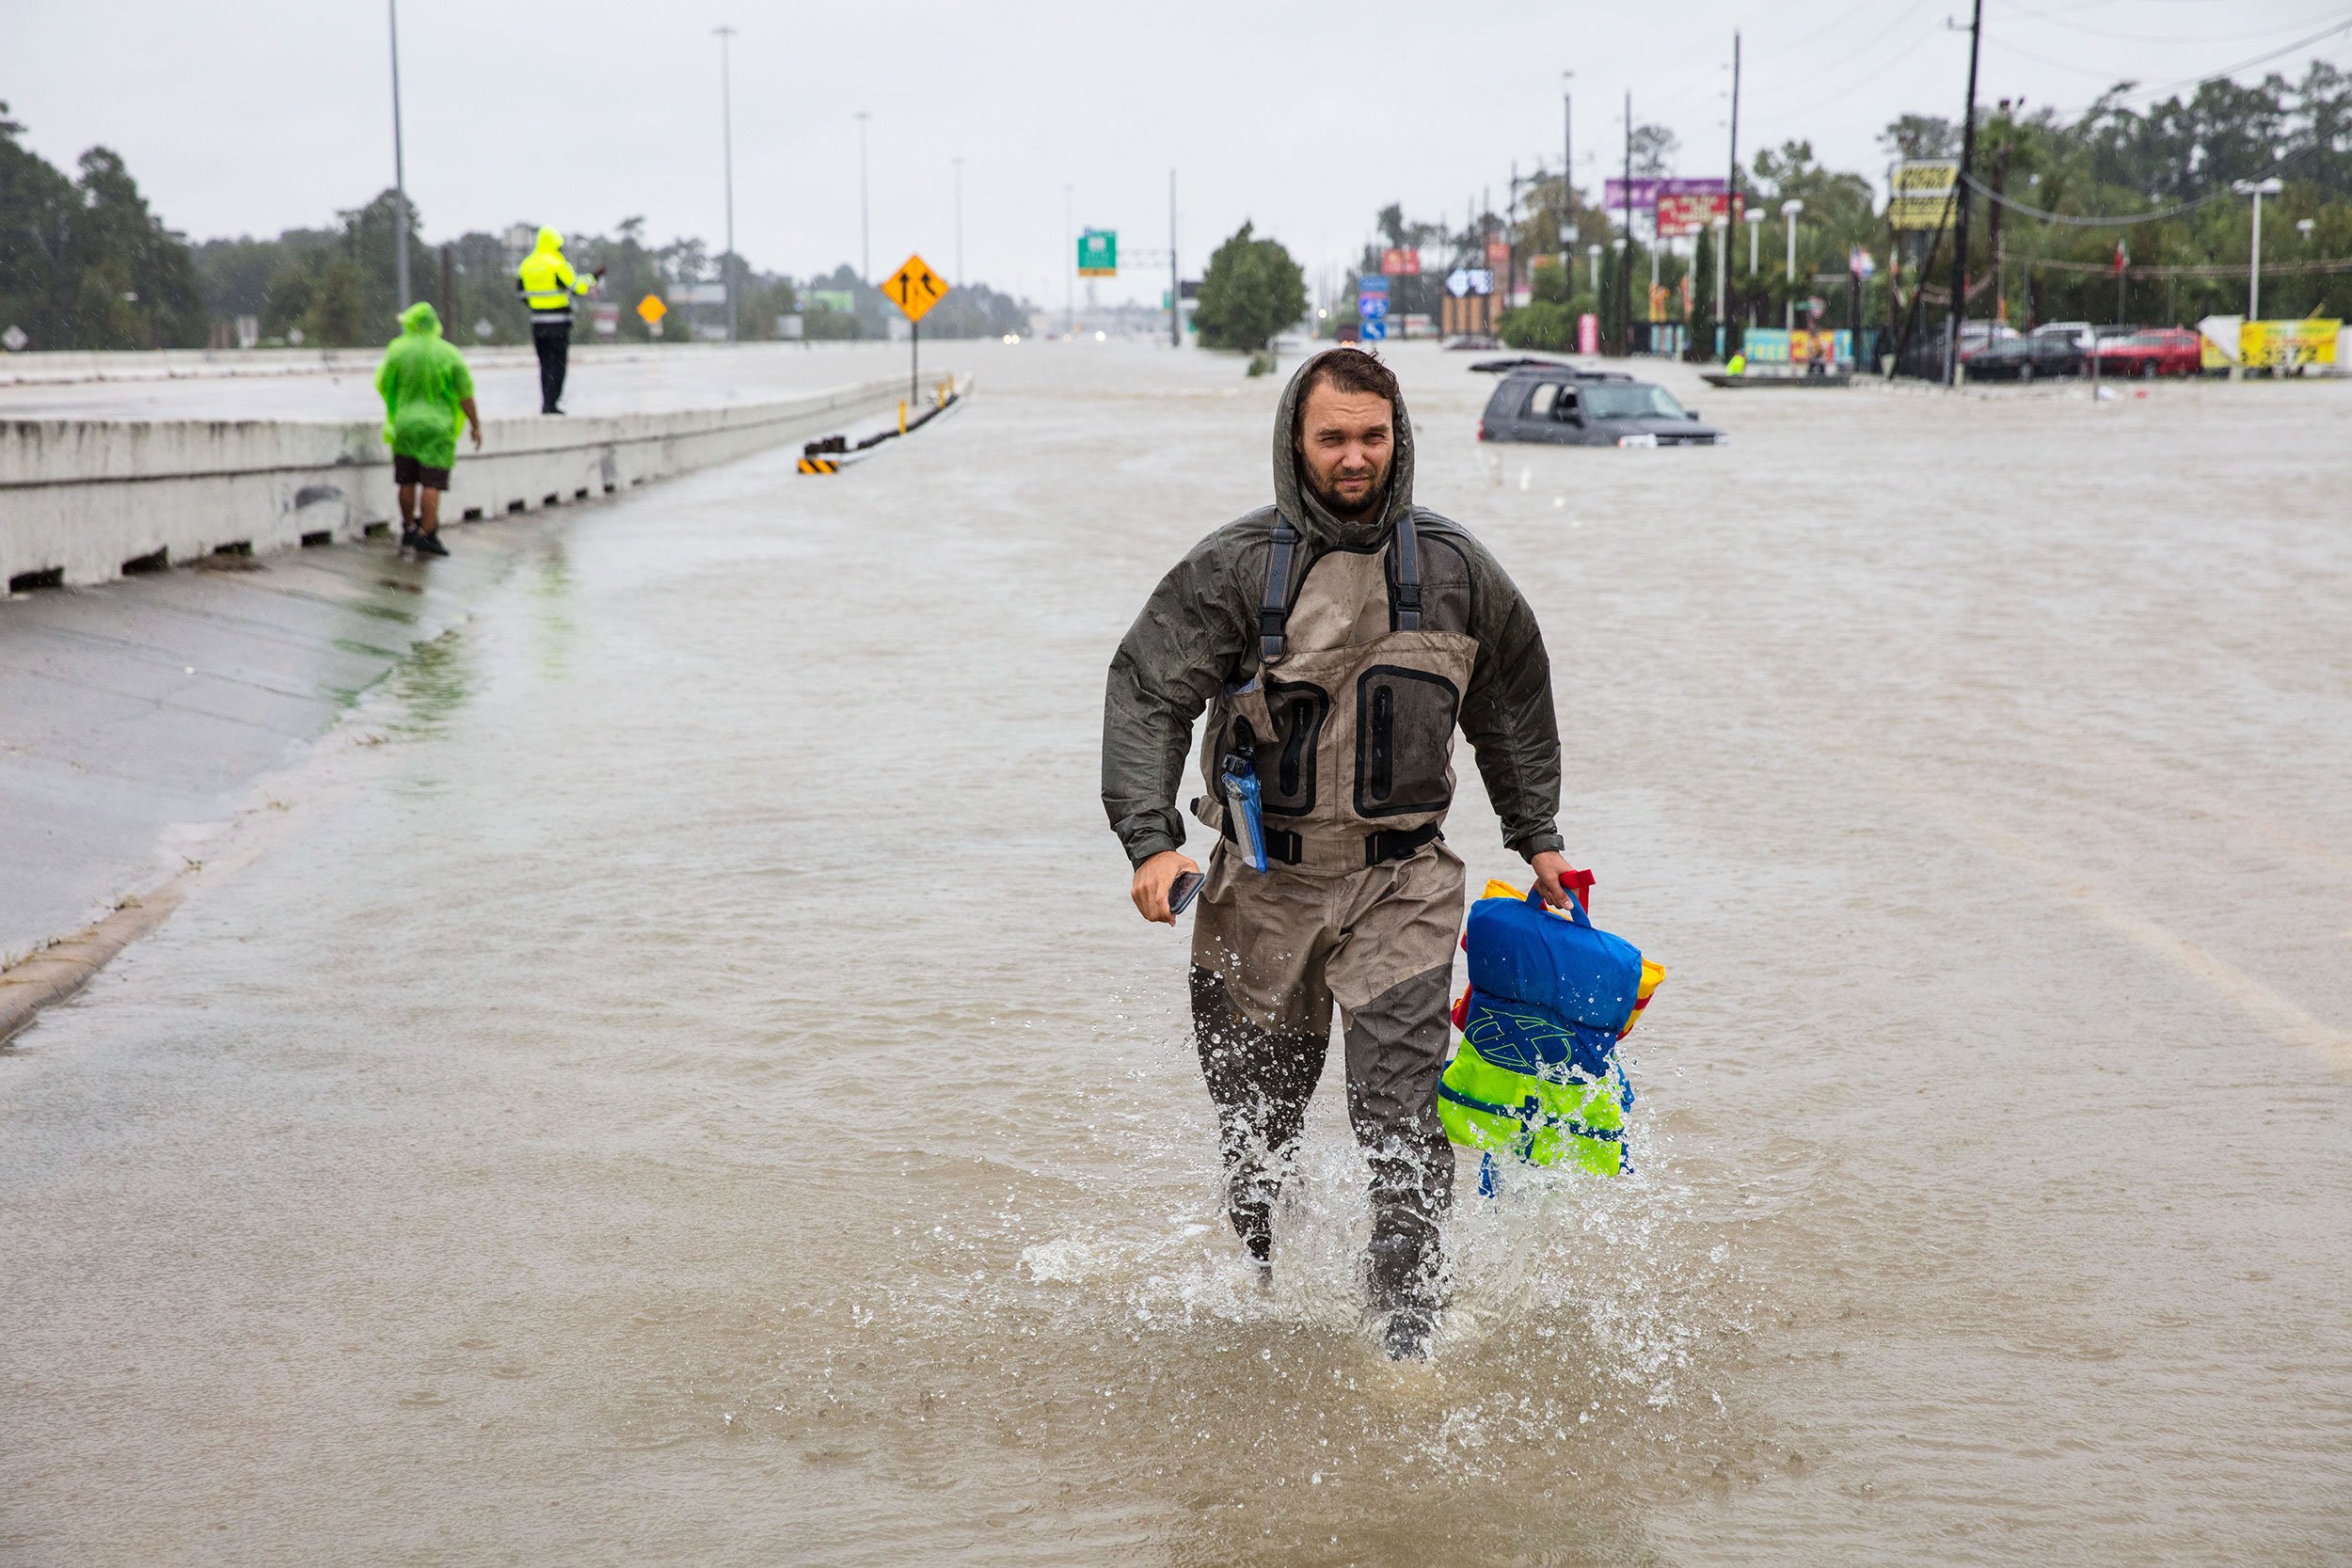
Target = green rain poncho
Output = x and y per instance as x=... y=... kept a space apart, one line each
x=422 y=381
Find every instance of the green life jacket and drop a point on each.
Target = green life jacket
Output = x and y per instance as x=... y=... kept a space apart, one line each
x=1537 y=1076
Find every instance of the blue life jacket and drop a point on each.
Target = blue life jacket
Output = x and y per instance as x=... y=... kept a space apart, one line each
x=1538 y=1074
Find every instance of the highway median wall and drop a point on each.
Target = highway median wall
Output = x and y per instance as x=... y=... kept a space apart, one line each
x=84 y=501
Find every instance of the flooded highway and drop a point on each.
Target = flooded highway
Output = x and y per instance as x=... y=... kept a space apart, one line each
x=680 y=1078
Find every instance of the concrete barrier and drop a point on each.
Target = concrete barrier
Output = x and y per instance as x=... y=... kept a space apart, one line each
x=70 y=366
x=86 y=500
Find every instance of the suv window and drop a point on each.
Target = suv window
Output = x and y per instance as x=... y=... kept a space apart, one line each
x=1539 y=401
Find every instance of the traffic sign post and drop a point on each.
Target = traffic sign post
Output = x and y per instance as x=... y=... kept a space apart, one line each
x=1097 y=253
x=914 y=288
x=1371 y=308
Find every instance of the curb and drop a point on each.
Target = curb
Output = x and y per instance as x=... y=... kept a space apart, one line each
x=67 y=964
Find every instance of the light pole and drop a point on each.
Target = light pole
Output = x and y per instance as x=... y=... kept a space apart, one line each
x=1789 y=211
x=865 y=241
x=1721 y=224
x=1568 y=177
x=1754 y=219
x=726 y=143
x=399 y=176
x=960 y=277
x=1070 y=265
x=1175 y=273
x=2257 y=189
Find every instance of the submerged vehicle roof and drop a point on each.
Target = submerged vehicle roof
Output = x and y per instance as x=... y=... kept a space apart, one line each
x=1528 y=364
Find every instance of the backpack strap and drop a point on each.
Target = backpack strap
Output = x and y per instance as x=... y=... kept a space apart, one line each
x=1274 y=614
x=1407 y=574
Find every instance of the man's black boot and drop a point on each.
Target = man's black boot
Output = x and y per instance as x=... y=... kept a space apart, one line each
x=1408 y=1334
x=430 y=544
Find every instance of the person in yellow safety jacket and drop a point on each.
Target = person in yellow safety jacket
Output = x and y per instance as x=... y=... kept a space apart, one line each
x=548 y=283
x=1739 y=365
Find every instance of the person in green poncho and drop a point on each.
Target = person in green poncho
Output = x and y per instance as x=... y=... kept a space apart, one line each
x=428 y=395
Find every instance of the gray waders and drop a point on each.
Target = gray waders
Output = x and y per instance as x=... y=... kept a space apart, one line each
x=1349 y=726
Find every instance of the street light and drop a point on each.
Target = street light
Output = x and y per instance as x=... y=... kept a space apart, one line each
x=1721 y=223
x=726 y=143
x=2257 y=189
x=865 y=245
x=1567 y=173
x=1754 y=217
x=400 y=175
x=960 y=277
x=1789 y=211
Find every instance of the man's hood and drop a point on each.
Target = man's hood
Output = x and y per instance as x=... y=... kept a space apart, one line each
x=1297 y=501
x=550 y=241
x=421 y=320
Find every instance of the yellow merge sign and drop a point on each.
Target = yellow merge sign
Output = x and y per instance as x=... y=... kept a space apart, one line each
x=916 y=288
x=651 y=309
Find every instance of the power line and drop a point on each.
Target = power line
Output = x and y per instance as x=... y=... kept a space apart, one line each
x=2203 y=77
x=2055 y=20
x=1810 y=81
x=2076 y=220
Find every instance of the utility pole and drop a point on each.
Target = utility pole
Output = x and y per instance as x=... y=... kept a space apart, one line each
x=1625 y=268
x=726 y=142
x=1069 y=267
x=1967 y=171
x=864 y=241
x=400 y=175
x=1175 y=273
x=959 y=276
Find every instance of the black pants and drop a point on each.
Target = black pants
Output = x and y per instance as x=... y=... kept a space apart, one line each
x=553 y=339
x=1261 y=1082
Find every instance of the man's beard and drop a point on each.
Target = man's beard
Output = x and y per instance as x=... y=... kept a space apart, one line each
x=1350 y=512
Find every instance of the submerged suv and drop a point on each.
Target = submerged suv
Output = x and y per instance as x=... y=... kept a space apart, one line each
x=1561 y=406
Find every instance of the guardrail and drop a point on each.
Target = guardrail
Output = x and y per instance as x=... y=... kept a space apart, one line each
x=87 y=500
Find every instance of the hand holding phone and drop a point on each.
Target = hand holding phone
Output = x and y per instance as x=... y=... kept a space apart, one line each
x=1181 y=891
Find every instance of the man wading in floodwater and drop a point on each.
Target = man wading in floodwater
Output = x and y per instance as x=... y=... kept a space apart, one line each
x=1336 y=637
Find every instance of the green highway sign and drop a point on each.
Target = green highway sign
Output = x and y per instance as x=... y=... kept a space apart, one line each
x=1097 y=253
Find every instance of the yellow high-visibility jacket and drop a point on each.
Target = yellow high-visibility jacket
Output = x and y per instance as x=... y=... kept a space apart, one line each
x=547 y=280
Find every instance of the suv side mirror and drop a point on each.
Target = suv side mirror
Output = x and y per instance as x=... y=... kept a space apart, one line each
x=1691 y=413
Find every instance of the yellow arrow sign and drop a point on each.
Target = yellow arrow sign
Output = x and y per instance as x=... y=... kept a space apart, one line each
x=914 y=288
x=652 y=308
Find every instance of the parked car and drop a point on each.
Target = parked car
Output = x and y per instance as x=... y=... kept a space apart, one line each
x=2038 y=354
x=1558 y=406
x=2153 y=352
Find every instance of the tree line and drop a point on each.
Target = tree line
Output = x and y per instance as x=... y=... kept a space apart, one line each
x=85 y=263
x=2119 y=158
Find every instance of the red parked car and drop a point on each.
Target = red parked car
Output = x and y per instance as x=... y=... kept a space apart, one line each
x=2152 y=351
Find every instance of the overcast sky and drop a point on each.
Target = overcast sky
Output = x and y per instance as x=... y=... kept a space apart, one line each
x=1306 y=116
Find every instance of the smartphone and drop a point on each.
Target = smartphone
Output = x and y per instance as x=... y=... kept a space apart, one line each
x=1181 y=891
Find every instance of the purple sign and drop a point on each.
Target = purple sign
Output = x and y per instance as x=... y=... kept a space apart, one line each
x=1647 y=191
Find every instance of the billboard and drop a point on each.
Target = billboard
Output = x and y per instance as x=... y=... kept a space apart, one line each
x=1647 y=190
x=2279 y=344
x=1400 y=261
x=1689 y=212
x=1922 y=190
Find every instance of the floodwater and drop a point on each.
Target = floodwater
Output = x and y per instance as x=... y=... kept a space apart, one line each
x=680 y=1080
